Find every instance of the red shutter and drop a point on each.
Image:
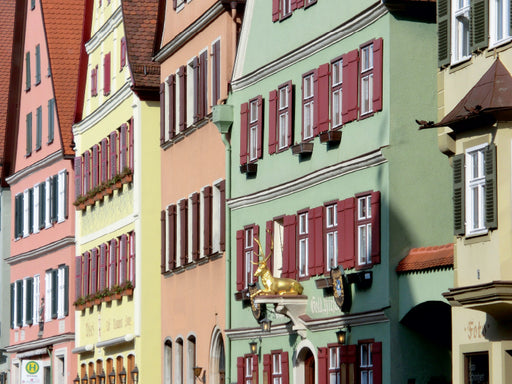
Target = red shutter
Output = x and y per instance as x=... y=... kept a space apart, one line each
x=196 y=86
x=183 y=206
x=131 y=132
x=171 y=215
x=78 y=276
x=323 y=365
x=86 y=273
x=195 y=226
x=162 y=113
x=255 y=249
x=104 y=160
x=322 y=106
x=112 y=263
x=124 y=148
x=240 y=260
x=94 y=270
x=377 y=362
x=87 y=172
x=300 y=3
x=172 y=106
x=290 y=114
x=315 y=241
x=163 y=233
x=255 y=368
x=216 y=72
x=123 y=52
x=174 y=4
x=350 y=86
x=78 y=177
x=207 y=220
x=375 y=197
x=131 y=261
x=222 y=190
x=113 y=153
x=267 y=368
x=95 y=165
x=269 y=243
x=377 y=75
x=294 y=5
x=106 y=74
x=346 y=235
x=123 y=258
x=244 y=110
x=272 y=121
x=203 y=79
x=315 y=102
x=182 y=82
x=348 y=354
x=275 y=10
x=103 y=267
x=289 y=261
x=94 y=91
x=260 y=128
x=240 y=370
x=285 y=367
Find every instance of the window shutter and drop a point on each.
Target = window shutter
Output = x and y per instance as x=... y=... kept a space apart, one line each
x=163 y=249
x=103 y=267
x=216 y=72
x=267 y=368
x=316 y=241
x=54 y=212
x=260 y=127
x=94 y=271
x=131 y=261
x=375 y=197
x=42 y=205
x=106 y=74
x=348 y=354
x=255 y=368
x=377 y=74
x=196 y=101
x=491 y=215
x=27 y=73
x=207 y=220
x=346 y=232
x=479 y=16
x=113 y=153
x=87 y=172
x=29 y=300
x=66 y=290
x=240 y=260
x=290 y=114
x=182 y=83
x=293 y=5
x=316 y=102
x=66 y=194
x=171 y=106
x=183 y=207
x=174 y=4
x=172 y=236
x=285 y=367
x=51 y=119
x=162 y=113
x=322 y=106
x=272 y=121
x=123 y=253
x=123 y=52
x=30 y=210
x=275 y=10
x=95 y=165
x=104 y=160
x=300 y=3
x=255 y=249
x=377 y=362
x=443 y=32
x=458 y=195
x=269 y=231
x=350 y=86
x=19 y=303
x=289 y=255
x=203 y=77
x=55 y=293
x=222 y=190
x=38 y=64
x=86 y=269
x=244 y=125
x=39 y=127
x=29 y=133
x=195 y=226
x=323 y=365
x=131 y=154
x=112 y=277
x=94 y=82
x=240 y=370
x=123 y=148
x=78 y=277
x=13 y=306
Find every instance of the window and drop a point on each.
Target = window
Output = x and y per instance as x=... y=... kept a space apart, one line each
x=280 y=118
x=106 y=74
x=303 y=244
x=38 y=64
x=247 y=250
x=215 y=72
x=476 y=368
x=25 y=302
x=51 y=120
x=94 y=81
x=247 y=369
x=251 y=135
x=123 y=53
x=32 y=4
x=365 y=363
x=284 y=119
x=29 y=134
x=499 y=21
x=276 y=369
x=39 y=127
x=248 y=257
x=168 y=362
x=191 y=358
x=307 y=106
x=475 y=181
x=334 y=365
x=460 y=30
x=366 y=79
x=253 y=130
x=364 y=230
x=331 y=236
x=286 y=8
x=57 y=293
x=27 y=71
x=178 y=368
x=336 y=92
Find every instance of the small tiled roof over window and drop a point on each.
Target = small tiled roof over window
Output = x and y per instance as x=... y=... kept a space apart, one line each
x=418 y=259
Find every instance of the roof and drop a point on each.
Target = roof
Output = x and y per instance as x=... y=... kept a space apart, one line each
x=63 y=25
x=420 y=259
x=140 y=23
x=488 y=101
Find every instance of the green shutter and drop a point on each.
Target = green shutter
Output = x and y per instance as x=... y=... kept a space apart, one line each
x=66 y=290
x=510 y=17
x=19 y=303
x=17 y=216
x=38 y=64
x=491 y=216
x=39 y=129
x=55 y=292
x=54 y=198
x=27 y=70
x=42 y=205
x=458 y=195
x=51 y=109
x=443 y=32
x=479 y=24
x=12 y=305
x=32 y=4
x=29 y=301
x=29 y=133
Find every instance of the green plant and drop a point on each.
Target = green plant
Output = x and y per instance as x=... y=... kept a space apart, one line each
x=79 y=301
x=89 y=298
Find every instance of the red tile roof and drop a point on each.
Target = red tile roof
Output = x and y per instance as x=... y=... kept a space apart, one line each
x=427 y=258
x=63 y=23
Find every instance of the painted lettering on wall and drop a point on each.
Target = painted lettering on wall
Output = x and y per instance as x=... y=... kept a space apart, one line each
x=475 y=330
x=323 y=305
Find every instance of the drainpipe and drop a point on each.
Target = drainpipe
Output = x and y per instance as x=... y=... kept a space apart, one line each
x=223 y=119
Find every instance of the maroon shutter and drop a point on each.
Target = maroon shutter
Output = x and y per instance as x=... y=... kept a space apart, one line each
x=112 y=259
x=113 y=153
x=183 y=205
x=240 y=260
x=244 y=110
x=348 y=354
x=350 y=86
x=315 y=241
x=275 y=10
x=315 y=102
x=216 y=72
x=322 y=106
x=103 y=267
x=207 y=220
x=123 y=52
x=323 y=365
x=267 y=368
x=346 y=235
x=377 y=362
x=255 y=249
x=94 y=271
x=377 y=75
x=78 y=177
x=171 y=217
x=131 y=132
x=95 y=165
x=196 y=86
x=106 y=74
x=174 y=4
x=375 y=197
x=162 y=113
x=300 y=3
x=222 y=190
x=131 y=262
x=290 y=114
x=86 y=273
x=255 y=368
x=203 y=77
x=195 y=226
x=123 y=259
x=78 y=277
x=182 y=82
x=171 y=106
x=289 y=261
x=93 y=82
x=104 y=160
x=240 y=370
x=124 y=148
x=269 y=231
x=285 y=367
x=294 y=5
x=272 y=121
x=163 y=233
x=87 y=171
x=260 y=127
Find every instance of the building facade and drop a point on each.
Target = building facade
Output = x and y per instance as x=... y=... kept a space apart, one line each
x=331 y=177
x=117 y=189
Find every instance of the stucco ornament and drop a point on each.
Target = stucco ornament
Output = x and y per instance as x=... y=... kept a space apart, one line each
x=273 y=285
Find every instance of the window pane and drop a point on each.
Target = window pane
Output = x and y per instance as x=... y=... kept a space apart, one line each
x=283 y=129
x=303 y=249
x=254 y=111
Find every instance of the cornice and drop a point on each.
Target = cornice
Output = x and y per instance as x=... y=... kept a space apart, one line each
x=307 y=181
x=182 y=38
x=32 y=168
x=357 y=23
x=115 y=341
x=107 y=28
x=40 y=343
x=103 y=110
x=41 y=251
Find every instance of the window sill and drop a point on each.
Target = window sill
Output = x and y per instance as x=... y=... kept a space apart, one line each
x=460 y=64
x=500 y=43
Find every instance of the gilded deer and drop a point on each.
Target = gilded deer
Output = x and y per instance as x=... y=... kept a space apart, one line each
x=273 y=285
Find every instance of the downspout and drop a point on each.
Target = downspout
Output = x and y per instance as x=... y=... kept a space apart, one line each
x=223 y=119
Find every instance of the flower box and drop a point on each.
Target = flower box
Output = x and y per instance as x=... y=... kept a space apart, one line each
x=302 y=148
x=331 y=137
x=128 y=292
x=127 y=179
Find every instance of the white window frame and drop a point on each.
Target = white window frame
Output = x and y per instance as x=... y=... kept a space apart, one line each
x=35 y=228
x=283 y=117
x=48 y=296
x=277 y=254
x=334 y=365
x=286 y=7
x=303 y=244
x=331 y=236
x=216 y=213
x=308 y=112
x=365 y=363
x=37 y=298
x=475 y=184
x=15 y=305
x=499 y=16
x=337 y=94
x=277 y=371
x=24 y=303
x=61 y=201
x=248 y=256
x=253 y=130
x=460 y=30
x=61 y=273
x=366 y=101
x=191 y=100
x=47 y=207
x=364 y=230
x=248 y=373
x=25 y=213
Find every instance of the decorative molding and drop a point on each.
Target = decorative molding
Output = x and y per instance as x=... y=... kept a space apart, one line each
x=106 y=29
x=35 y=352
x=103 y=110
x=182 y=38
x=371 y=159
x=40 y=343
x=357 y=23
x=108 y=229
x=115 y=341
x=41 y=251
x=83 y=349
x=35 y=167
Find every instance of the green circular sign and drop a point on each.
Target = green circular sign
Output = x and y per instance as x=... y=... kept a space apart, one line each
x=32 y=367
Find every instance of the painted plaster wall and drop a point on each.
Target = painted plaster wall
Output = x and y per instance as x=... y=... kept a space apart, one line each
x=5 y=245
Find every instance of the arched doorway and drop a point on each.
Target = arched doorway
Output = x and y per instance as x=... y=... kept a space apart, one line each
x=217 y=359
x=305 y=366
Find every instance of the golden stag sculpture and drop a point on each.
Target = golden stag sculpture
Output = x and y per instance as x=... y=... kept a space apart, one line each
x=273 y=285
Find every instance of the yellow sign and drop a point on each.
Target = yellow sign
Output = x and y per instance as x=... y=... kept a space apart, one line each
x=32 y=367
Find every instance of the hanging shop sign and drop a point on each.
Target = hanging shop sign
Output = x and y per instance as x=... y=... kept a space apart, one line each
x=337 y=285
